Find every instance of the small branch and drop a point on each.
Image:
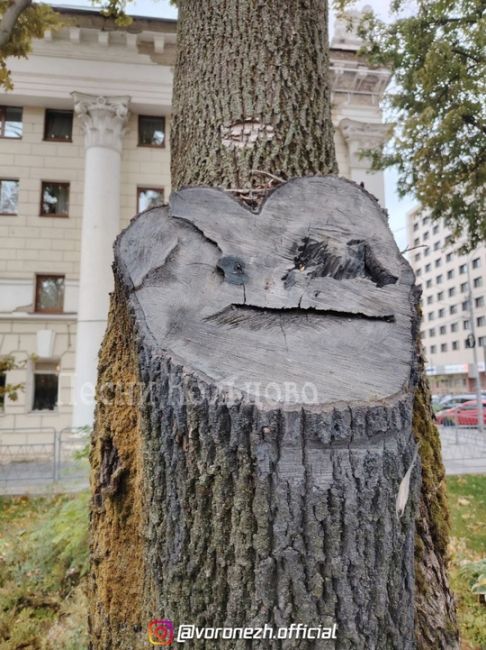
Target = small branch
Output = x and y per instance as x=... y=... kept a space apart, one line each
x=275 y=178
x=407 y=250
x=9 y=19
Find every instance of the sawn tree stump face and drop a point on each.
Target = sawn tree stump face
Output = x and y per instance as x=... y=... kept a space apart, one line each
x=276 y=352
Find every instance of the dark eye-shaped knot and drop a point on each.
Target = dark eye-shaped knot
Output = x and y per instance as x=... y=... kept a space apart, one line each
x=233 y=269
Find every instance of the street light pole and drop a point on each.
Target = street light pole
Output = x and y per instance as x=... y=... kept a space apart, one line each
x=475 y=352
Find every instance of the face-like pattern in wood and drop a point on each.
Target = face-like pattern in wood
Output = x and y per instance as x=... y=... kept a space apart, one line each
x=308 y=300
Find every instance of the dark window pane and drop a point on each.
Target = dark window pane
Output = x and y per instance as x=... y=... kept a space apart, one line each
x=151 y=131
x=55 y=198
x=9 y=194
x=3 y=382
x=45 y=392
x=11 y=122
x=49 y=294
x=149 y=198
x=59 y=125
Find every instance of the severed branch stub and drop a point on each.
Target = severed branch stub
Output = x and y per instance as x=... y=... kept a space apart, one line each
x=279 y=347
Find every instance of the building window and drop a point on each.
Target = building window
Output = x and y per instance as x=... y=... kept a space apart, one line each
x=465 y=305
x=427 y=267
x=432 y=332
x=451 y=291
x=450 y=274
x=440 y=313
x=440 y=295
x=479 y=302
x=11 y=122
x=476 y=263
x=9 y=196
x=151 y=131
x=431 y=315
x=426 y=251
x=465 y=325
x=415 y=226
x=426 y=235
x=442 y=329
x=462 y=269
x=428 y=284
x=455 y=345
x=418 y=273
x=435 y=229
x=425 y=220
x=454 y=327
x=149 y=197
x=452 y=309
x=448 y=257
x=416 y=241
x=55 y=199
x=433 y=349
x=482 y=341
x=438 y=262
x=417 y=257
x=58 y=126
x=437 y=245
x=46 y=386
x=430 y=300
x=443 y=347
x=438 y=279
x=464 y=287
x=481 y=321
x=3 y=383
x=478 y=282
x=49 y=294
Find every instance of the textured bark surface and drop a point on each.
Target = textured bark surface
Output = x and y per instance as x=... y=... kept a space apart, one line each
x=231 y=533
x=434 y=600
x=251 y=91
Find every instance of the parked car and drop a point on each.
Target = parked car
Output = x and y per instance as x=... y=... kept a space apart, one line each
x=465 y=414
x=454 y=400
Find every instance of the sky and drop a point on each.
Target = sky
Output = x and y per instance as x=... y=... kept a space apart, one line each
x=397 y=208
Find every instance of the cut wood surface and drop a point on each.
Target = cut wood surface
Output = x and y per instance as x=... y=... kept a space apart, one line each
x=311 y=289
x=263 y=507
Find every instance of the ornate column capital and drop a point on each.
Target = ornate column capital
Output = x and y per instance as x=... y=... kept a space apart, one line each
x=362 y=135
x=103 y=119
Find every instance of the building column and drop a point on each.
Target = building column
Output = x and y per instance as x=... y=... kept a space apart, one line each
x=103 y=120
x=359 y=136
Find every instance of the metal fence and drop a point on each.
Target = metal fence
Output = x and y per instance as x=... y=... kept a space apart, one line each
x=463 y=449
x=43 y=460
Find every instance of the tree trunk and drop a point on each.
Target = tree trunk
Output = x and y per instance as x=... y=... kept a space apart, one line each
x=216 y=504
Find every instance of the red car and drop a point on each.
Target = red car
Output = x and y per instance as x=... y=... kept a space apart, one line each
x=465 y=414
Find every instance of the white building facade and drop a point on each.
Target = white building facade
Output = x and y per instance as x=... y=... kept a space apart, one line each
x=85 y=145
x=451 y=284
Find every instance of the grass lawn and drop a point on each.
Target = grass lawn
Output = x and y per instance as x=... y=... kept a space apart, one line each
x=44 y=560
x=467 y=505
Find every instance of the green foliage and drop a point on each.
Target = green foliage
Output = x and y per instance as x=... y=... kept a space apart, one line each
x=7 y=364
x=467 y=506
x=43 y=561
x=436 y=51
x=32 y=23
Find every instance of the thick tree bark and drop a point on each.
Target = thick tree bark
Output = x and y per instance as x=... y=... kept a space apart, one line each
x=239 y=513
x=254 y=73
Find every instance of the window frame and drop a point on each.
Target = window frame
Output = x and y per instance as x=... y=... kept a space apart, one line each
x=3 y=114
x=139 y=131
x=37 y=288
x=55 y=215
x=44 y=371
x=57 y=110
x=145 y=188
x=11 y=214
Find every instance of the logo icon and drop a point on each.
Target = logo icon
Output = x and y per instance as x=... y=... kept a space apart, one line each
x=161 y=632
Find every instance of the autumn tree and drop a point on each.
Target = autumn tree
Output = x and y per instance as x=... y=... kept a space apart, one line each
x=436 y=53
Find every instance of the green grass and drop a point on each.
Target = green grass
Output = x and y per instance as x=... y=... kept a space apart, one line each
x=44 y=561
x=467 y=506
x=43 y=564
